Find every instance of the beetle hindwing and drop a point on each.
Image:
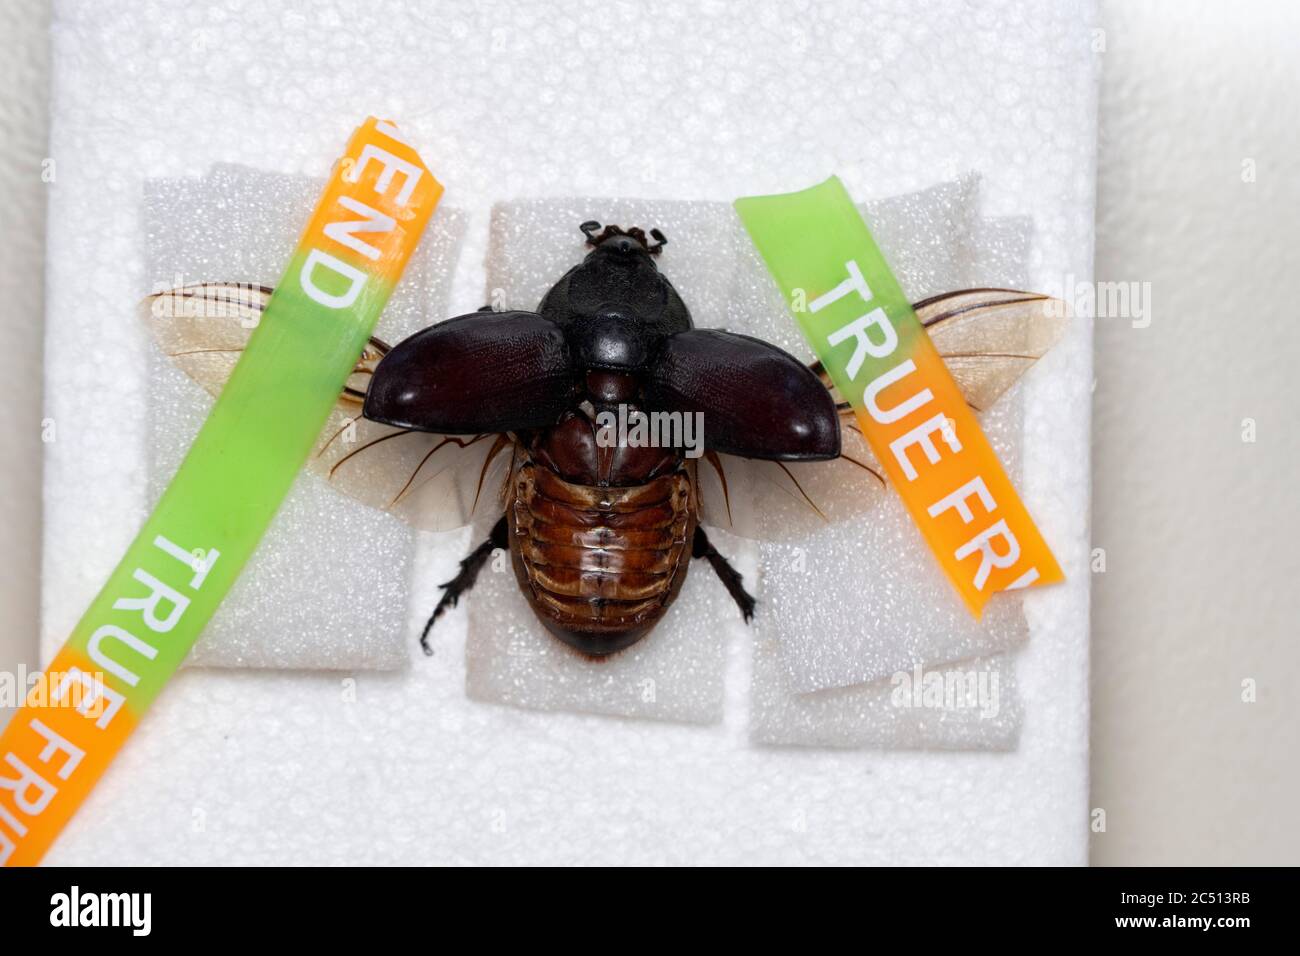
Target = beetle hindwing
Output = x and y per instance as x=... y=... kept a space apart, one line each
x=432 y=481
x=988 y=338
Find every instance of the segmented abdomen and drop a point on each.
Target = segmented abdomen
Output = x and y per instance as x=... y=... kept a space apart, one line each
x=600 y=564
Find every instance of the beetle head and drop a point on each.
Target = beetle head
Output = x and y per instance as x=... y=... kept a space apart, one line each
x=615 y=306
x=618 y=241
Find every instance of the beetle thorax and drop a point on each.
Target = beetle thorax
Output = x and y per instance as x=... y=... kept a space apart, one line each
x=582 y=448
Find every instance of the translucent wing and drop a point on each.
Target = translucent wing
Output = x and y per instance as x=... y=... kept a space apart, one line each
x=432 y=481
x=204 y=328
x=988 y=338
x=784 y=501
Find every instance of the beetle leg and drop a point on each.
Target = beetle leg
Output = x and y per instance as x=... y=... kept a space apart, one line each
x=731 y=578
x=470 y=566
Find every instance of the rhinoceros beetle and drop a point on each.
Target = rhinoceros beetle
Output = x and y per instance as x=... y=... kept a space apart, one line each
x=601 y=534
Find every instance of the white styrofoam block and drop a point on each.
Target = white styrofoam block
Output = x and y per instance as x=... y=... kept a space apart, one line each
x=327 y=586
x=966 y=705
x=262 y=767
x=857 y=608
x=857 y=600
x=676 y=673
x=860 y=600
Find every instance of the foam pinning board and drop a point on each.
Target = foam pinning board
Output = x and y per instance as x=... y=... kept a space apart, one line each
x=402 y=767
x=327 y=587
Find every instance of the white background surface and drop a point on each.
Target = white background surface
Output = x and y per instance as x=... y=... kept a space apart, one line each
x=504 y=102
x=1199 y=591
x=1199 y=528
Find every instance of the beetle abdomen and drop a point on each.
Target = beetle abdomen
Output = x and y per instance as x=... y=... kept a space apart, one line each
x=599 y=565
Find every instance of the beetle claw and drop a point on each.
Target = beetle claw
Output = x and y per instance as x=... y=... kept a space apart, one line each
x=470 y=566
x=731 y=579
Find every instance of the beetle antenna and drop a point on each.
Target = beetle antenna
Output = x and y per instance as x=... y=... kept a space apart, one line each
x=660 y=242
x=589 y=227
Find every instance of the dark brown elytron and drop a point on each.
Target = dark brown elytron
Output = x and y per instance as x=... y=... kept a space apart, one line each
x=601 y=533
